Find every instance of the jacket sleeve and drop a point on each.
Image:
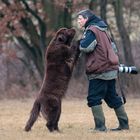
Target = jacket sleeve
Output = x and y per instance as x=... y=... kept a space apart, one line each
x=88 y=43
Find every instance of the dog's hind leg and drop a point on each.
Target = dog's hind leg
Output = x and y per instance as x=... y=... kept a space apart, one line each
x=58 y=113
x=53 y=111
x=34 y=115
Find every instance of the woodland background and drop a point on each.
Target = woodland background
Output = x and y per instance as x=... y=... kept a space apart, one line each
x=27 y=26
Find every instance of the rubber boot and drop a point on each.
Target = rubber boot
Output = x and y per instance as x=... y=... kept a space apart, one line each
x=99 y=118
x=122 y=118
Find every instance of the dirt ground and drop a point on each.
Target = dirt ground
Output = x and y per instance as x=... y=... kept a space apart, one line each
x=75 y=121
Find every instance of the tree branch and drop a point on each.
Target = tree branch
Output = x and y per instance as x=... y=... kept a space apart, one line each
x=6 y=2
x=42 y=25
x=33 y=53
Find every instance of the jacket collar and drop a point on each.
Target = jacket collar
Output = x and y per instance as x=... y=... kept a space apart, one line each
x=96 y=21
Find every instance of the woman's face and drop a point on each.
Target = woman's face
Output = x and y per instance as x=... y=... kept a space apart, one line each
x=81 y=21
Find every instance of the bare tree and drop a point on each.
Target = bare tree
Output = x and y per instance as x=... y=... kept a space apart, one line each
x=103 y=9
x=118 y=7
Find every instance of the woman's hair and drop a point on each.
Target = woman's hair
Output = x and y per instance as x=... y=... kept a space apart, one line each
x=86 y=13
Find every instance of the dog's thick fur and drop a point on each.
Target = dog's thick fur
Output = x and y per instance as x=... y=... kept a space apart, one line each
x=61 y=57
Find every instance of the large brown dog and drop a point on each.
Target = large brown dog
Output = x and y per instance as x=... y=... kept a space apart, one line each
x=61 y=57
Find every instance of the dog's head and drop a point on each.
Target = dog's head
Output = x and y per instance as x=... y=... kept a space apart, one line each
x=64 y=36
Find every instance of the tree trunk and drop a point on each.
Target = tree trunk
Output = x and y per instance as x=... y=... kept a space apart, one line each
x=103 y=11
x=118 y=7
x=93 y=6
x=103 y=5
x=67 y=14
x=128 y=82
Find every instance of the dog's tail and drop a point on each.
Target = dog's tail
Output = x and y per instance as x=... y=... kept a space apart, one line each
x=33 y=116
